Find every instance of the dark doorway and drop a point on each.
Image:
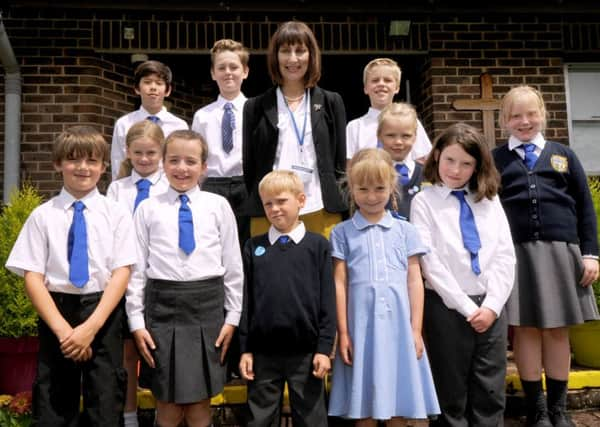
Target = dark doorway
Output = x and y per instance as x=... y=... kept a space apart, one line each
x=341 y=73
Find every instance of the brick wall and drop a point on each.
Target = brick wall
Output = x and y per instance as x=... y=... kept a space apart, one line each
x=514 y=50
x=65 y=83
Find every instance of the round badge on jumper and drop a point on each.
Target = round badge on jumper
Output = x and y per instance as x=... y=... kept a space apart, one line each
x=260 y=250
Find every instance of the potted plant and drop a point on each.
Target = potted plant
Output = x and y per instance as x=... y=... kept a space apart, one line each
x=18 y=319
x=585 y=338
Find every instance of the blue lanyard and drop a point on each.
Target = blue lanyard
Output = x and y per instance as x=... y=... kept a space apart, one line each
x=300 y=137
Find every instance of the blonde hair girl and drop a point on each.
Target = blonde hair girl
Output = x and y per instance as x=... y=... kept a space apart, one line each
x=379 y=298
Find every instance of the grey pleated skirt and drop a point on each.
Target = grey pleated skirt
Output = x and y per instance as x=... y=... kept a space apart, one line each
x=184 y=319
x=547 y=293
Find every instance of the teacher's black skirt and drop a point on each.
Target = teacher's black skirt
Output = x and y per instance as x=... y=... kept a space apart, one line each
x=184 y=319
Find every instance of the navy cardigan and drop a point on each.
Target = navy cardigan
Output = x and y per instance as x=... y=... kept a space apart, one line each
x=552 y=202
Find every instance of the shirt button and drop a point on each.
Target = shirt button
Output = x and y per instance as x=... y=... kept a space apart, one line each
x=536 y=235
x=534 y=216
x=532 y=186
x=534 y=201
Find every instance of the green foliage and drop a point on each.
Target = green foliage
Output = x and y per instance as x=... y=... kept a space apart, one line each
x=17 y=316
x=594 y=183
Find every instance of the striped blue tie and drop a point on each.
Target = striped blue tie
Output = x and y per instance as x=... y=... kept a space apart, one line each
x=77 y=247
x=468 y=230
x=227 y=127
x=186 y=226
x=153 y=119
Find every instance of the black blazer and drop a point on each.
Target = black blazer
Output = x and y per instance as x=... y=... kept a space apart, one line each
x=261 y=136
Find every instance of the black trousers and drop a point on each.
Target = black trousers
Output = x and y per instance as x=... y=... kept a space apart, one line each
x=234 y=190
x=468 y=368
x=60 y=381
x=307 y=393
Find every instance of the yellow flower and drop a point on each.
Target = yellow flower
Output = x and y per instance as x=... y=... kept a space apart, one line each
x=5 y=400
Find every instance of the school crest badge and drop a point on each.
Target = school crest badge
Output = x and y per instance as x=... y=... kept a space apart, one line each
x=559 y=163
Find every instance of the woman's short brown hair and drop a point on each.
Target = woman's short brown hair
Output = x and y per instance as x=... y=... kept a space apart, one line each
x=289 y=33
x=485 y=180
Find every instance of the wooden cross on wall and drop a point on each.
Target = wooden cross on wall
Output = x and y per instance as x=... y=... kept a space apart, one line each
x=486 y=104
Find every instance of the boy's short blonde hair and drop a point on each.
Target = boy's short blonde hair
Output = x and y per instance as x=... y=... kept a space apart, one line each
x=278 y=181
x=78 y=142
x=397 y=110
x=382 y=62
x=187 y=135
x=229 y=45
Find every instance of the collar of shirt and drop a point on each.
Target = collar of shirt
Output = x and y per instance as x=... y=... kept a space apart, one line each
x=538 y=141
x=160 y=114
x=66 y=199
x=173 y=195
x=445 y=191
x=297 y=234
x=238 y=102
x=360 y=222
x=409 y=163
x=282 y=106
x=153 y=178
x=373 y=113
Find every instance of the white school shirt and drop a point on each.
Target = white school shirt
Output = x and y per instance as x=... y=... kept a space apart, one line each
x=124 y=190
x=447 y=267
x=514 y=144
x=297 y=234
x=362 y=133
x=289 y=154
x=42 y=243
x=217 y=251
x=207 y=122
x=167 y=121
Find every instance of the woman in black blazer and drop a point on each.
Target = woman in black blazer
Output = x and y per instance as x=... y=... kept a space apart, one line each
x=296 y=125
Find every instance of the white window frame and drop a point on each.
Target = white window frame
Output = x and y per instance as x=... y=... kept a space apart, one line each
x=585 y=155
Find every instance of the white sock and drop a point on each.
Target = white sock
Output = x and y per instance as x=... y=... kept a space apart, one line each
x=130 y=419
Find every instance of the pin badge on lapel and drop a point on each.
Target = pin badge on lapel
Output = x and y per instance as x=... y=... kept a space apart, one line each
x=317 y=107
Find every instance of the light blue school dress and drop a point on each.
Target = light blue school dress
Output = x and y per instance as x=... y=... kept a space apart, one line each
x=386 y=379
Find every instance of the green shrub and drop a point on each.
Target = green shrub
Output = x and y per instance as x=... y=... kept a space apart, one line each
x=17 y=316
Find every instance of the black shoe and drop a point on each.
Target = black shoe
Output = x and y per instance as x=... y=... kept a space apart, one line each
x=539 y=419
x=561 y=419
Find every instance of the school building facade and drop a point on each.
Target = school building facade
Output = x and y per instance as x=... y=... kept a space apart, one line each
x=76 y=61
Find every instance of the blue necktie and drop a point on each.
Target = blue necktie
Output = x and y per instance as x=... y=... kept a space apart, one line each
x=186 y=226
x=468 y=229
x=153 y=119
x=402 y=170
x=227 y=127
x=530 y=156
x=77 y=247
x=283 y=239
x=143 y=191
